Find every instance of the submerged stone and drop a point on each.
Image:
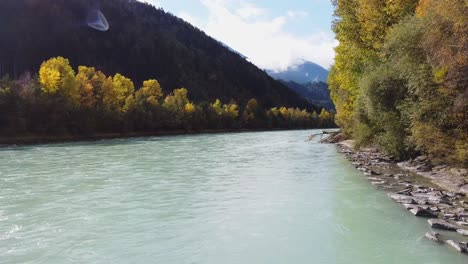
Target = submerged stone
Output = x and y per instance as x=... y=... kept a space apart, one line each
x=434 y=236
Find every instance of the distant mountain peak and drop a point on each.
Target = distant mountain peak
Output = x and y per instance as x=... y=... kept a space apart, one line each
x=303 y=72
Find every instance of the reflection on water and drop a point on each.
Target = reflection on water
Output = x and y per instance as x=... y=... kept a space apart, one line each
x=266 y=197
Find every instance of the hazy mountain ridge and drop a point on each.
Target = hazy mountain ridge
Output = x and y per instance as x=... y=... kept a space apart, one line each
x=305 y=72
x=307 y=79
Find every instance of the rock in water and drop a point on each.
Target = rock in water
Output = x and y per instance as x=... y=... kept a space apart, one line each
x=418 y=211
x=463 y=232
x=458 y=246
x=441 y=224
x=434 y=236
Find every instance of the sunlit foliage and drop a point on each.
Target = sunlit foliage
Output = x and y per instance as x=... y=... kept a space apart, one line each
x=150 y=94
x=399 y=80
x=57 y=76
x=60 y=102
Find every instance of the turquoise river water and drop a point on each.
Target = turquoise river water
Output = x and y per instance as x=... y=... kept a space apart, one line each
x=266 y=197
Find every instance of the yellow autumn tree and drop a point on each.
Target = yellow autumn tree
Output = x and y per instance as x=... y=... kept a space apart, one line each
x=116 y=92
x=57 y=76
x=149 y=94
x=89 y=82
x=324 y=115
x=250 y=111
x=176 y=103
x=189 y=108
x=217 y=107
x=231 y=110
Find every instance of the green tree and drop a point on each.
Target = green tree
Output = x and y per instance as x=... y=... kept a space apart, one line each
x=361 y=28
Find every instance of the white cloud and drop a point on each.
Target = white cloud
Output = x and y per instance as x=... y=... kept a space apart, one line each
x=263 y=39
x=297 y=14
x=156 y=3
x=248 y=10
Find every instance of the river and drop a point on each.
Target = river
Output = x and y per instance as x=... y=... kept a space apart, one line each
x=263 y=197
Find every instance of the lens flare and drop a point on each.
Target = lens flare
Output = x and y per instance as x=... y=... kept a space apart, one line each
x=97 y=20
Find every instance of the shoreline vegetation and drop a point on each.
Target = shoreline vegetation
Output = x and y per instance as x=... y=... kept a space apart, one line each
x=438 y=193
x=61 y=105
x=399 y=80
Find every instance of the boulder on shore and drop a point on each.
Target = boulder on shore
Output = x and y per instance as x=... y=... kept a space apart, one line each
x=463 y=232
x=457 y=246
x=400 y=198
x=441 y=224
x=418 y=211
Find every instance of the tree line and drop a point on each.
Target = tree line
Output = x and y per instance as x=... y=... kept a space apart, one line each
x=60 y=101
x=400 y=76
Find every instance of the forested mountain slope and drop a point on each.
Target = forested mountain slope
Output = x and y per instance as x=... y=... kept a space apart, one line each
x=142 y=42
x=317 y=93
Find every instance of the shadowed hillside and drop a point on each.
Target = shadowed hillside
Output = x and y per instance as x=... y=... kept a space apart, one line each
x=142 y=43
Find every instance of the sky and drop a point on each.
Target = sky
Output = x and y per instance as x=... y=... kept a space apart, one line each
x=272 y=34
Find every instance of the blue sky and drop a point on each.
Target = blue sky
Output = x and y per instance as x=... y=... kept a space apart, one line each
x=272 y=34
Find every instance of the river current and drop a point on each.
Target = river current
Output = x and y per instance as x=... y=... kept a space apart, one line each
x=263 y=197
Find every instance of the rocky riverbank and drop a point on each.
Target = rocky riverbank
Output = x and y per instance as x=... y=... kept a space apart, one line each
x=436 y=193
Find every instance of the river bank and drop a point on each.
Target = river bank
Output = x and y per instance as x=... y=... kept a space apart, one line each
x=436 y=193
x=45 y=139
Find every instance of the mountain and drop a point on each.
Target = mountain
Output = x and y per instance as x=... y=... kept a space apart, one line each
x=136 y=40
x=302 y=73
x=317 y=93
x=309 y=81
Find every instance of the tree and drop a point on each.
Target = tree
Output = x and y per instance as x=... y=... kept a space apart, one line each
x=87 y=83
x=223 y=115
x=175 y=104
x=150 y=94
x=56 y=76
x=116 y=92
x=250 y=113
x=361 y=28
